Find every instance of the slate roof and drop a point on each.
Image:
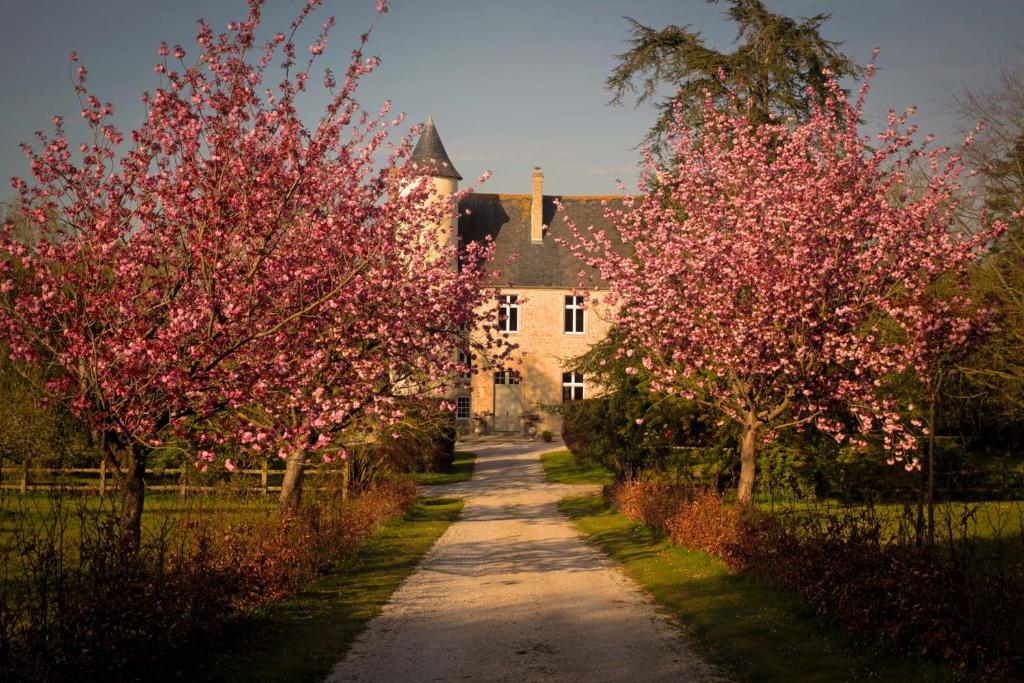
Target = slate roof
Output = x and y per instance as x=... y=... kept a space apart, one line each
x=430 y=152
x=506 y=218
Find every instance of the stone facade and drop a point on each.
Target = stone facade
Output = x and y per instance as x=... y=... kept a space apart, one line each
x=526 y=231
x=540 y=360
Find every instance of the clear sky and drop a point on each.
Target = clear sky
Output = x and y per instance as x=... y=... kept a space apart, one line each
x=511 y=84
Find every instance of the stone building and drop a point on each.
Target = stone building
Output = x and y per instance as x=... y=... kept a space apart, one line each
x=537 y=308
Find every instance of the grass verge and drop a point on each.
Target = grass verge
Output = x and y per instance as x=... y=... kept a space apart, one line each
x=461 y=470
x=757 y=632
x=302 y=637
x=561 y=468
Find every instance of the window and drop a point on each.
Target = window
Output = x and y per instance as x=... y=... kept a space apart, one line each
x=572 y=386
x=465 y=366
x=462 y=407
x=574 y=313
x=508 y=313
x=507 y=377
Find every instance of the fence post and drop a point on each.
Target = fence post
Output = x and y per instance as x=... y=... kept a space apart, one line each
x=23 y=488
x=103 y=476
x=181 y=481
x=264 y=471
x=346 y=478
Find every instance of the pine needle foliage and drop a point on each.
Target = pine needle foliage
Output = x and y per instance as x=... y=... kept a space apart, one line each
x=776 y=58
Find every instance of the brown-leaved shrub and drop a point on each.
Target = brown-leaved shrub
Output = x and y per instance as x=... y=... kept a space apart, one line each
x=961 y=602
x=74 y=602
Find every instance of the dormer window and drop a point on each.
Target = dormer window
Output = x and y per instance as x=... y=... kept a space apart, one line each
x=508 y=313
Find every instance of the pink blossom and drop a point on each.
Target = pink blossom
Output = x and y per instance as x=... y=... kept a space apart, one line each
x=762 y=271
x=233 y=261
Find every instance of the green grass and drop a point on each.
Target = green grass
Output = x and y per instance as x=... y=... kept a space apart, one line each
x=561 y=468
x=461 y=470
x=980 y=520
x=43 y=518
x=39 y=509
x=757 y=632
x=302 y=637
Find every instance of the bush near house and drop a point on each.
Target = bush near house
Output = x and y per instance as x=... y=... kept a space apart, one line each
x=961 y=602
x=423 y=442
x=604 y=430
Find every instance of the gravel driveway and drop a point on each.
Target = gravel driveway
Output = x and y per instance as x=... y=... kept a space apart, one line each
x=510 y=592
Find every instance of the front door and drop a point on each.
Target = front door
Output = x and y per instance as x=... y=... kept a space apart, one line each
x=508 y=401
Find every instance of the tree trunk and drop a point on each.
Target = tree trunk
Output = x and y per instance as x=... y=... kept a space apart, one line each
x=748 y=464
x=132 y=463
x=346 y=478
x=291 y=485
x=931 y=473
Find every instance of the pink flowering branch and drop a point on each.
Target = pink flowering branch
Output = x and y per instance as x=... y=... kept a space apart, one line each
x=784 y=273
x=225 y=260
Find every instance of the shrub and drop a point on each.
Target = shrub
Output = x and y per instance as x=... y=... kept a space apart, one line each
x=647 y=501
x=855 y=567
x=627 y=430
x=547 y=436
x=423 y=442
x=76 y=603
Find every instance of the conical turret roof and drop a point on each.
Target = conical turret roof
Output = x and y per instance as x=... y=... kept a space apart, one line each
x=429 y=152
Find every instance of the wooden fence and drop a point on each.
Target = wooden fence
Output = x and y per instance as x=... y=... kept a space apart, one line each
x=22 y=478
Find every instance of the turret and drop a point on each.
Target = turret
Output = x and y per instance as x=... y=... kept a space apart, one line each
x=430 y=153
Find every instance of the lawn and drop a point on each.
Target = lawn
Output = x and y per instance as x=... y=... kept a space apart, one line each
x=300 y=638
x=461 y=470
x=41 y=509
x=561 y=468
x=757 y=632
x=40 y=516
x=978 y=520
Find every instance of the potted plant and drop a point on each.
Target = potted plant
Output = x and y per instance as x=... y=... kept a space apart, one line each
x=480 y=422
x=530 y=421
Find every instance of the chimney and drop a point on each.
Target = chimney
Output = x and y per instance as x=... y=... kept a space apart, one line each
x=537 y=207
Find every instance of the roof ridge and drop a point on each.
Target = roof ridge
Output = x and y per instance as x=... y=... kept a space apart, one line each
x=517 y=195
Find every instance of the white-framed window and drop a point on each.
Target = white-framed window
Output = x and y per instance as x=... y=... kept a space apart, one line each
x=462 y=408
x=507 y=377
x=575 y=315
x=508 y=313
x=572 y=386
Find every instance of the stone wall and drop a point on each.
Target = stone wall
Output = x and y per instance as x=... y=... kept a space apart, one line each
x=543 y=348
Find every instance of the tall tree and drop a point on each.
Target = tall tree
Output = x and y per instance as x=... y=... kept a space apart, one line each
x=775 y=61
x=201 y=271
x=780 y=273
x=998 y=157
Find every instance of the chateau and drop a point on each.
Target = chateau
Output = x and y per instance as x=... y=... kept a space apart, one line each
x=537 y=308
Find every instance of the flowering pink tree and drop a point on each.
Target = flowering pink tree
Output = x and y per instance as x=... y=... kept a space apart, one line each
x=227 y=256
x=387 y=339
x=781 y=273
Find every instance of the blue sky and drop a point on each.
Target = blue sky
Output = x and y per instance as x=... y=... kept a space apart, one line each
x=511 y=85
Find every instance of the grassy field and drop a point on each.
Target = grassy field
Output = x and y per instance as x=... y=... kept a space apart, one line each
x=300 y=638
x=38 y=517
x=461 y=470
x=757 y=632
x=981 y=520
x=561 y=468
x=42 y=509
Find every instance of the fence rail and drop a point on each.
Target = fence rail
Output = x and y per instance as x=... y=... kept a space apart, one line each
x=27 y=479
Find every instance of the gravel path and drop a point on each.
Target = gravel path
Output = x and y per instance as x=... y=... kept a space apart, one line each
x=511 y=592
